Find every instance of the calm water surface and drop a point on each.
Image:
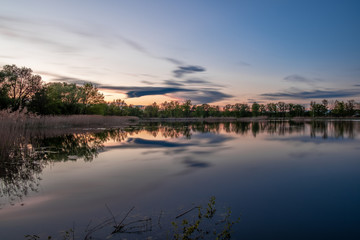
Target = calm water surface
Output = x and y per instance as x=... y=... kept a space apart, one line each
x=285 y=180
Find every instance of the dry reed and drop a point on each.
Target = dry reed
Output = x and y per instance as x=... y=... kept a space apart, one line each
x=17 y=129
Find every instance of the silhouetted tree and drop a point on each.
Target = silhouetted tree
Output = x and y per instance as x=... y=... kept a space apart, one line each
x=20 y=85
x=255 y=109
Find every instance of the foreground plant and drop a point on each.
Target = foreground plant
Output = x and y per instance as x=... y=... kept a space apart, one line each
x=193 y=224
x=206 y=225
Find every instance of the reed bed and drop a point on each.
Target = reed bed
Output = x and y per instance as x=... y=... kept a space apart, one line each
x=17 y=129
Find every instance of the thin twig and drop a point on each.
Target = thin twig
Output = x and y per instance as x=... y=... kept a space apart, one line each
x=111 y=213
x=161 y=212
x=126 y=215
x=186 y=212
x=120 y=226
x=73 y=232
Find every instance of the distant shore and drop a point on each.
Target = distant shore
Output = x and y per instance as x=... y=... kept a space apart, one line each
x=245 y=119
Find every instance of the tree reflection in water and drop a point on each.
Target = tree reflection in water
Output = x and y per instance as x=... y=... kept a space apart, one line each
x=21 y=165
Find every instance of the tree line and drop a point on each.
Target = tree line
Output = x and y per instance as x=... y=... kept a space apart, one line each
x=20 y=89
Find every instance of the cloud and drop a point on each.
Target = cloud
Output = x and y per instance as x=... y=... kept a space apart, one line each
x=173 y=83
x=133 y=92
x=201 y=95
x=148 y=82
x=67 y=79
x=244 y=64
x=30 y=31
x=315 y=94
x=174 y=61
x=251 y=100
x=296 y=78
x=196 y=95
x=202 y=82
x=193 y=81
x=205 y=96
x=134 y=45
x=187 y=69
x=196 y=81
x=5 y=56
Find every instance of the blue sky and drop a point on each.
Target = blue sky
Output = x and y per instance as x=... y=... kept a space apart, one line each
x=209 y=51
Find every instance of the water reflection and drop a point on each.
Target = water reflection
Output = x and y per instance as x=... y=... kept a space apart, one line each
x=20 y=171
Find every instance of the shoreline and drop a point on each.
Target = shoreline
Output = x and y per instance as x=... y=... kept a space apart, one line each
x=244 y=119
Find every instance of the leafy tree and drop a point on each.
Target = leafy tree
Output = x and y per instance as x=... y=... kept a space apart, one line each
x=133 y=111
x=97 y=109
x=227 y=110
x=318 y=109
x=339 y=109
x=350 y=107
x=241 y=109
x=4 y=97
x=282 y=108
x=186 y=107
x=255 y=109
x=262 y=109
x=298 y=110
x=20 y=85
x=272 y=109
x=89 y=94
x=151 y=110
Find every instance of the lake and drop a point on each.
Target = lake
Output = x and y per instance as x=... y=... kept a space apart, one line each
x=284 y=179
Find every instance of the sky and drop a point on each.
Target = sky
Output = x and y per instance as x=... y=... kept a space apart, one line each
x=216 y=52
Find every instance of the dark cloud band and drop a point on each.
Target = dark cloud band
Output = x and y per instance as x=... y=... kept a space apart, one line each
x=187 y=69
x=316 y=94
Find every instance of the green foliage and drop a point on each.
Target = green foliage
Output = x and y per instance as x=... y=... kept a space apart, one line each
x=318 y=109
x=255 y=109
x=151 y=110
x=19 y=84
x=66 y=235
x=204 y=225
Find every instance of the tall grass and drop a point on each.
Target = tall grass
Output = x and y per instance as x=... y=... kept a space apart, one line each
x=17 y=129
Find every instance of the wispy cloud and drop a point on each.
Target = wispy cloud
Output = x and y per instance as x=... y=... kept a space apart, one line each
x=205 y=96
x=174 y=61
x=193 y=81
x=133 y=92
x=173 y=83
x=296 y=78
x=148 y=82
x=251 y=100
x=244 y=64
x=315 y=94
x=173 y=88
x=196 y=81
x=202 y=82
x=61 y=78
x=5 y=56
x=187 y=69
x=27 y=31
